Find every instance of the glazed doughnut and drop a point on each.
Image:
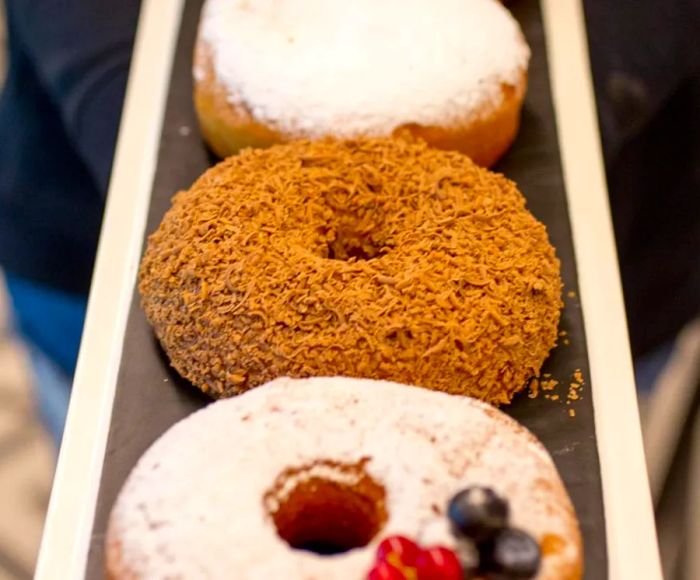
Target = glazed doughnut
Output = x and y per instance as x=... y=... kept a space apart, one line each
x=254 y=487
x=453 y=72
x=373 y=258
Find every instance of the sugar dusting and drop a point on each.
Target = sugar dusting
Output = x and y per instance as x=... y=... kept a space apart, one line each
x=193 y=507
x=363 y=67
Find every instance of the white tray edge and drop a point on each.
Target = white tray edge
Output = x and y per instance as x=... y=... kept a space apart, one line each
x=631 y=532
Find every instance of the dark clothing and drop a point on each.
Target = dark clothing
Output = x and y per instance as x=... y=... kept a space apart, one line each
x=59 y=114
x=645 y=56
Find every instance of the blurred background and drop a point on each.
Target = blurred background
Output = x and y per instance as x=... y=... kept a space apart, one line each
x=668 y=404
x=26 y=453
x=26 y=461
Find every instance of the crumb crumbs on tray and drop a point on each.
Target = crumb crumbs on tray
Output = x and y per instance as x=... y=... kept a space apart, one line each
x=548 y=386
x=534 y=388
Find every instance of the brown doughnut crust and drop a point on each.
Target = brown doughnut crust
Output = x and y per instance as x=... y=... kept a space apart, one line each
x=229 y=127
x=115 y=567
x=374 y=258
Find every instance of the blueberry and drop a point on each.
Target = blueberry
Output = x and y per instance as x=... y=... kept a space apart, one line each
x=477 y=513
x=511 y=554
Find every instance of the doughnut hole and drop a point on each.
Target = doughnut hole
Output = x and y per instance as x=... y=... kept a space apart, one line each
x=326 y=507
x=345 y=244
x=353 y=226
x=349 y=249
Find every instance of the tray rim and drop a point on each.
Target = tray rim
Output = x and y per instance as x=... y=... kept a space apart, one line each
x=631 y=534
x=629 y=515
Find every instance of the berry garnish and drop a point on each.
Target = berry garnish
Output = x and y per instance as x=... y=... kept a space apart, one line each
x=438 y=563
x=477 y=513
x=403 y=549
x=512 y=554
x=385 y=571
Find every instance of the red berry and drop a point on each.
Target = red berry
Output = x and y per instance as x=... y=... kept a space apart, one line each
x=405 y=550
x=385 y=571
x=438 y=563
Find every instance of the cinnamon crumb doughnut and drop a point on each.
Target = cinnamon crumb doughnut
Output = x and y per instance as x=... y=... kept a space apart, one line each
x=374 y=258
x=249 y=487
x=453 y=73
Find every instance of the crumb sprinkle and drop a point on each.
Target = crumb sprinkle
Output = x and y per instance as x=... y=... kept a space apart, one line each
x=376 y=258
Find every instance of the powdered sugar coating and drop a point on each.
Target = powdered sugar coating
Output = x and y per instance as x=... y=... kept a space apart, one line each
x=317 y=67
x=193 y=506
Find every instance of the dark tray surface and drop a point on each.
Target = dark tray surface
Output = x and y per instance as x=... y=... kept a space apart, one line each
x=150 y=397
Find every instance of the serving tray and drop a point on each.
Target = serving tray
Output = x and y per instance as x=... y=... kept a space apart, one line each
x=126 y=395
x=151 y=397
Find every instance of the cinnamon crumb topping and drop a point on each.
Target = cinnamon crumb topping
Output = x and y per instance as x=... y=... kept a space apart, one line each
x=373 y=258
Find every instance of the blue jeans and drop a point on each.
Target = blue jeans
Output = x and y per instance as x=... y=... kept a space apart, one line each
x=648 y=368
x=51 y=323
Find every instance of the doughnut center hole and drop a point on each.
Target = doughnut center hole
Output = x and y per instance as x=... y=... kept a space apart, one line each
x=353 y=249
x=326 y=508
x=343 y=241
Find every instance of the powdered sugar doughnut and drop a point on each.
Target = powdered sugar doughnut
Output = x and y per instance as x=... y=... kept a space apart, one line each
x=451 y=72
x=215 y=496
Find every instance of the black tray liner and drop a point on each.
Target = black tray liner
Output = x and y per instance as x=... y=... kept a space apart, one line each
x=150 y=396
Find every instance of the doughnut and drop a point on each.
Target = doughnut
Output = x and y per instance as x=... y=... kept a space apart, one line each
x=268 y=484
x=373 y=258
x=453 y=73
